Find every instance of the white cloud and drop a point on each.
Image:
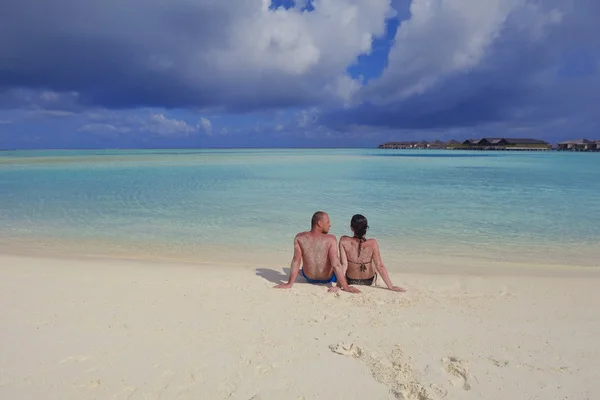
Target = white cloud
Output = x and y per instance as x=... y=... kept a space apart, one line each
x=345 y=88
x=51 y=113
x=163 y=126
x=200 y=53
x=307 y=118
x=105 y=129
x=49 y=96
x=38 y=100
x=445 y=37
x=205 y=125
x=98 y=115
x=298 y=43
x=122 y=122
x=240 y=55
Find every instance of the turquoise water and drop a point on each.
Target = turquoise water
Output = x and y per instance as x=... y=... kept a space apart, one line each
x=510 y=205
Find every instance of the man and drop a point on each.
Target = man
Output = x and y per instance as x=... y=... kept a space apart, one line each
x=317 y=251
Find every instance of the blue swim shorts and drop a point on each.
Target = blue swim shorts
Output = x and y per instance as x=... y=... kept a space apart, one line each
x=333 y=279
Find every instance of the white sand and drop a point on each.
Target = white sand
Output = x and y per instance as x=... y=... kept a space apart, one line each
x=105 y=329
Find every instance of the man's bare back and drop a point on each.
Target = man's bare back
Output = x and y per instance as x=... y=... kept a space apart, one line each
x=317 y=252
x=316 y=257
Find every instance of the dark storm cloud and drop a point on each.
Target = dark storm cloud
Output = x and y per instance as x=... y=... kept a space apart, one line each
x=233 y=55
x=520 y=81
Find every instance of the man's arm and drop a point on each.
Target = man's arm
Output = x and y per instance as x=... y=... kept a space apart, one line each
x=294 y=266
x=339 y=269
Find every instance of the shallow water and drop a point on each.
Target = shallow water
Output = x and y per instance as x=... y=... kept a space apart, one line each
x=500 y=205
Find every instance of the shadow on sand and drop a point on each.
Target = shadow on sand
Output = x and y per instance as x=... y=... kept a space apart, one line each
x=274 y=276
x=281 y=276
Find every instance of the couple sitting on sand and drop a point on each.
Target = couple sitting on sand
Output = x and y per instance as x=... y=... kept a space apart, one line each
x=317 y=251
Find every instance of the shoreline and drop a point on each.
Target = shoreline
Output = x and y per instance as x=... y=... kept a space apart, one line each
x=477 y=261
x=423 y=264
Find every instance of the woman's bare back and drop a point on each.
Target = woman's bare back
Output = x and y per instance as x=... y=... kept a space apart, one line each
x=360 y=266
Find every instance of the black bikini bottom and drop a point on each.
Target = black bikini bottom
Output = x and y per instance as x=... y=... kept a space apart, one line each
x=365 y=282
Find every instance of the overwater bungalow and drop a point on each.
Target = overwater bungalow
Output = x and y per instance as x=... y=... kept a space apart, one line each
x=397 y=145
x=579 y=145
x=452 y=144
x=474 y=144
x=438 y=144
x=523 y=144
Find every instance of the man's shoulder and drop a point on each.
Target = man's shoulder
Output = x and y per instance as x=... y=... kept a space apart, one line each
x=330 y=237
x=302 y=234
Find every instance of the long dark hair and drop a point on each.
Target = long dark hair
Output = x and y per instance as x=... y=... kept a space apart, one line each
x=359 y=225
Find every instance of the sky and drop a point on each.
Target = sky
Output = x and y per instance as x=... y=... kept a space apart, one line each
x=304 y=73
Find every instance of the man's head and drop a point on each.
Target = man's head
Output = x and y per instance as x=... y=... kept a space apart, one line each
x=320 y=222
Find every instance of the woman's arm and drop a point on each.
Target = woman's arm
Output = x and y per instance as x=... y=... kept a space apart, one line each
x=383 y=270
x=343 y=256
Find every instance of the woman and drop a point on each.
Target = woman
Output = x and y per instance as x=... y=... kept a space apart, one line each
x=361 y=258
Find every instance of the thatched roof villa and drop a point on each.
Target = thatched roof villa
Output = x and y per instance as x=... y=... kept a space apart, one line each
x=474 y=144
x=507 y=144
x=579 y=145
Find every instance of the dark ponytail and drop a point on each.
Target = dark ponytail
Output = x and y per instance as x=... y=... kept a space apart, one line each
x=359 y=225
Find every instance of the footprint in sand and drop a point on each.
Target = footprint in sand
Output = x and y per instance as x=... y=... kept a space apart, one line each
x=257 y=397
x=346 y=349
x=168 y=373
x=77 y=358
x=125 y=394
x=87 y=384
x=394 y=371
x=263 y=369
x=498 y=363
x=459 y=369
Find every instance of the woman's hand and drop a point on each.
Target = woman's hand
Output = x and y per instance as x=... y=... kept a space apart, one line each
x=397 y=289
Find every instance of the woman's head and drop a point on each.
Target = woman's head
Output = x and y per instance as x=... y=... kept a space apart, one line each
x=359 y=226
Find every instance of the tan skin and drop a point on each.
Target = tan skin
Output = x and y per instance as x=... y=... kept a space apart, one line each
x=316 y=251
x=369 y=255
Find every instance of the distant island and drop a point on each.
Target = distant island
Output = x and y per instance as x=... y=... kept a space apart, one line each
x=500 y=144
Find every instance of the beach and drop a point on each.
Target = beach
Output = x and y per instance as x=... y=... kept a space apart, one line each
x=97 y=328
x=149 y=275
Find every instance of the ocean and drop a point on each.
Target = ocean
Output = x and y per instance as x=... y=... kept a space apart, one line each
x=229 y=204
